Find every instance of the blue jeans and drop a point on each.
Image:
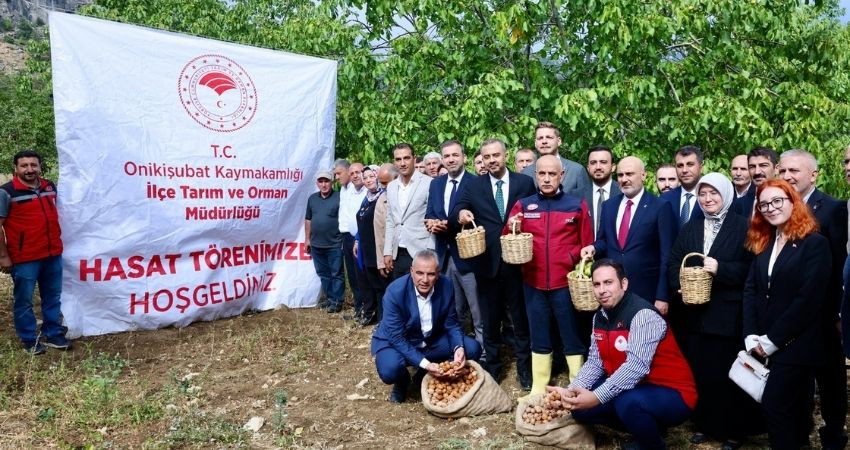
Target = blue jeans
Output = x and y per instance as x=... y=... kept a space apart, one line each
x=328 y=264
x=48 y=273
x=644 y=411
x=541 y=306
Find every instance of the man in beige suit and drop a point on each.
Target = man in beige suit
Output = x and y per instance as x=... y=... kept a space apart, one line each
x=407 y=201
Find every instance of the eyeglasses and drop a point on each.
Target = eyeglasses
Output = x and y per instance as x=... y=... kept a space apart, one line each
x=776 y=203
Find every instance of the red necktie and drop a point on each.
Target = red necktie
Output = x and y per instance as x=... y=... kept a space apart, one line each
x=624 y=225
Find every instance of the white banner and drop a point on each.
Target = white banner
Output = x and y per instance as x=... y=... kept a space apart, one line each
x=184 y=170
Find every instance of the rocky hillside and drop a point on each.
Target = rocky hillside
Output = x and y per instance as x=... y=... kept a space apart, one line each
x=11 y=57
x=32 y=10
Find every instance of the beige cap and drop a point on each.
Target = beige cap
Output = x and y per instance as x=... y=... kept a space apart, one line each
x=324 y=174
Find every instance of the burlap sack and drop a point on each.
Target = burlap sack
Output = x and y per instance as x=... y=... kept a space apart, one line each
x=563 y=432
x=483 y=398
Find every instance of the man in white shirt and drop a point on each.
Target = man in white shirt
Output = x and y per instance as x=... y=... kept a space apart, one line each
x=421 y=337
x=351 y=194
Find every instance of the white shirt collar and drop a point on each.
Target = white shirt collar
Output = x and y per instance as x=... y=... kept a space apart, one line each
x=636 y=199
x=606 y=187
x=809 y=194
x=420 y=297
x=459 y=177
x=504 y=178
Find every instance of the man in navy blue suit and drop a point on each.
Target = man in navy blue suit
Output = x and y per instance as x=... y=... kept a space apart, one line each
x=800 y=169
x=637 y=230
x=442 y=196
x=419 y=326
x=486 y=201
x=689 y=163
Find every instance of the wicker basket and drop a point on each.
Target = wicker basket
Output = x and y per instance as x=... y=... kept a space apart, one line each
x=516 y=247
x=695 y=282
x=581 y=288
x=470 y=243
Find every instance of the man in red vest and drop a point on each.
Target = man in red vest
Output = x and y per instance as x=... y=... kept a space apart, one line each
x=32 y=252
x=635 y=378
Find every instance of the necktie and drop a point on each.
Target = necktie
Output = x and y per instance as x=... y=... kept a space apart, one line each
x=500 y=199
x=686 y=209
x=598 y=210
x=624 y=225
x=452 y=196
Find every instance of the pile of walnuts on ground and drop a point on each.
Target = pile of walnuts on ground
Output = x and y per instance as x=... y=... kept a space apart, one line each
x=551 y=408
x=454 y=381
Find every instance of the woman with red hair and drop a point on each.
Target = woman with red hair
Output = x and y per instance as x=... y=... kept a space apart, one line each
x=783 y=298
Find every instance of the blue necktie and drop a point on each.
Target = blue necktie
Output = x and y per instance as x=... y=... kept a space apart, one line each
x=500 y=199
x=452 y=196
x=686 y=210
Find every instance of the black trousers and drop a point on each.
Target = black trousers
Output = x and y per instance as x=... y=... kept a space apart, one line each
x=373 y=293
x=831 y=381
x=504 y=291
x=351 y=269
x=787 y=405
x=401 y=264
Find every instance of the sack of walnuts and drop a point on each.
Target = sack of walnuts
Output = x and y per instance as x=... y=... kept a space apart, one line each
x=542 y=419
x=463 y=392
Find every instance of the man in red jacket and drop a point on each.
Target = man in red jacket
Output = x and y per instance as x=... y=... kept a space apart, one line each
x=561 y=226
x=32 y=252
x=635 y=378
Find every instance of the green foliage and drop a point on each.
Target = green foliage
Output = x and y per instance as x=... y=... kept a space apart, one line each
x=643 y=77
x=6 y=24
x=27 y=101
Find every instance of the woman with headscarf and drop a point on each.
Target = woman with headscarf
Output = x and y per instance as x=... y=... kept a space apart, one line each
x=370 y=219
x=713 y=331
x=784 y=299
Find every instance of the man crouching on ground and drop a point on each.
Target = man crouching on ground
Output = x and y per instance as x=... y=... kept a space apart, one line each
x=32 y=252
x=419 y=326
x=635 y=378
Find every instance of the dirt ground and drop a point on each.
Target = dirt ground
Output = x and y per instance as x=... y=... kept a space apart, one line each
x=294 y=368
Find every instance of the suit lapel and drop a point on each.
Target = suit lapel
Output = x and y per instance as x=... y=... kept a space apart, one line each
x=413 y=306
x=787 y=252
x=639 y=213
x=815 y=201
x=414 y=185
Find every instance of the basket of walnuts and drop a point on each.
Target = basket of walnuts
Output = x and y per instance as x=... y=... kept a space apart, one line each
x=462 y=391
x=546 y=419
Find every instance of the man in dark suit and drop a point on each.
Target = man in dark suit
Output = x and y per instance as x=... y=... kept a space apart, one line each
x=444 y=193
x=419 y=326
x=637 y=230
x=600 y=167
x=683 y=199
x=799 y=168
x=487 y=201
x=761 y=162
x=547 y=141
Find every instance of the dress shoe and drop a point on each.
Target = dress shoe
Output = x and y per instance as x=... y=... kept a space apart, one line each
x=399 y=392
x=334 y=309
